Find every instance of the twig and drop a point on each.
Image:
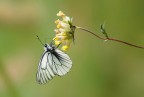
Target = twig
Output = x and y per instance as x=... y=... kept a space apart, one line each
x=107 y=38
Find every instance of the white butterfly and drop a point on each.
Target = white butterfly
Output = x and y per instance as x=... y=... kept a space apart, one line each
x=53 y=62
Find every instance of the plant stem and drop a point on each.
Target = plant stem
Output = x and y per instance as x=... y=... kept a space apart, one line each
x=107 y=38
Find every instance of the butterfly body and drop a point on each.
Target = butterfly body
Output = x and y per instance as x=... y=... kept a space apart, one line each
x=48 y=47
x=53 y=62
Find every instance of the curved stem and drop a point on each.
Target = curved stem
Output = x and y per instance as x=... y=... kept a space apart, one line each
x=90 y=32
x=107 y=38
x=120 y=41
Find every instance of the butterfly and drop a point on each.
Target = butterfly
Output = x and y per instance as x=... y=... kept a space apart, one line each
x=53 y=62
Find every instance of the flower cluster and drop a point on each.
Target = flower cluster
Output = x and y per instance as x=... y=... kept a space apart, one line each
x=64 y=31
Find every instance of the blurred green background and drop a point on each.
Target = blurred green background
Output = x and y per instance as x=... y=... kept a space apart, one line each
x=100 y=69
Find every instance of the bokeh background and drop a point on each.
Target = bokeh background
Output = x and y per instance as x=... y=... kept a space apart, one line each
x=100 y=69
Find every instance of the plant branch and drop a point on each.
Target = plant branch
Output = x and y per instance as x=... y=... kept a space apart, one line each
x=107 y=38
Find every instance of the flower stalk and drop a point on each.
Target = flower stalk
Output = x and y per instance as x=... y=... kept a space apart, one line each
x=65 y=33
x=107 y=38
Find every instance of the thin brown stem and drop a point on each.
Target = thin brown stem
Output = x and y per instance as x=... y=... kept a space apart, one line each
x=107 y=38
x=125 y=43
x=90 y=32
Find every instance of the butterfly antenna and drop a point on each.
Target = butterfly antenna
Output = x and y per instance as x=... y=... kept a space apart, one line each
x=39 y=40
x=52 y=43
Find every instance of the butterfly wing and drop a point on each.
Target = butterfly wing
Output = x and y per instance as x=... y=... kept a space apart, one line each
x=61 y=62
x=51 y=64
x=45 y=71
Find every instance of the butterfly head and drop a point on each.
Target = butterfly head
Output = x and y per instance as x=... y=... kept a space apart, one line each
x=48 y=47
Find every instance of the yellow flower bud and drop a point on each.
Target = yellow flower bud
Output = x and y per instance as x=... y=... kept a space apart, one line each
x=63 y=33
x=59 y=26
x=57 y=42
x=55 y=38
x=60 y=13
x=65 y=48
x=57 y=21
x=61 y=37
x=57 y=31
